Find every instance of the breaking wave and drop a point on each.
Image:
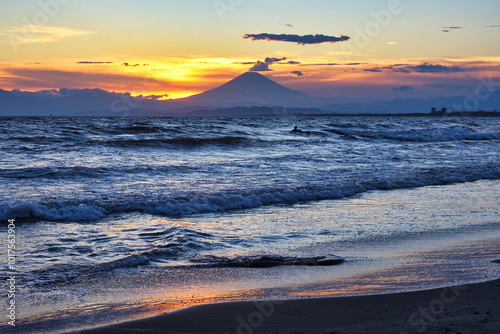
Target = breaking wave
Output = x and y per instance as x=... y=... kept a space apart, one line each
x=171 y=206
x=419 y=135
x=179 y=141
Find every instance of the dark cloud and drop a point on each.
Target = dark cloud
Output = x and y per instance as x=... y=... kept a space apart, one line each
x=322 y=64
x=447 y=29
x=302 y=40
x=493 y=26
x=110 y=62
x=332 y=64
x=424 y=68
x=154 y=97
x=271 y=60
x=263 y=66
x=403 y=89
x=297 y=73
x=95 y=62
x=401 y=70
x=429 y=68
x=134 y=65
x=260 y=66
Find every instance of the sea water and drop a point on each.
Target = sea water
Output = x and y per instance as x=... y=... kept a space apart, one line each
x=103 y=205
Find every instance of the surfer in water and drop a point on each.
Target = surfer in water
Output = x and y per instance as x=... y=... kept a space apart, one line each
x=296 y=129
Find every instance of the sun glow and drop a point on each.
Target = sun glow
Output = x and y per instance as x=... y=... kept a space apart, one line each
x=157 y=78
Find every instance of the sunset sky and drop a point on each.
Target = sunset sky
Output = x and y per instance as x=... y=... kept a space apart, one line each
x=395 y=49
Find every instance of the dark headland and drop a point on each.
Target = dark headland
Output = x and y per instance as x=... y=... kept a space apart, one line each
x=283 y=111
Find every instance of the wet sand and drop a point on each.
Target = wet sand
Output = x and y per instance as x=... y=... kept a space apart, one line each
x=461 y=309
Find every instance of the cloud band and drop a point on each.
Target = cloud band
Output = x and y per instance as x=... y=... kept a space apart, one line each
x=301 y=40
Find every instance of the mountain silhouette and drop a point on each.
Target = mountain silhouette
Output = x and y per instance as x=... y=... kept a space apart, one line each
x=250 y=89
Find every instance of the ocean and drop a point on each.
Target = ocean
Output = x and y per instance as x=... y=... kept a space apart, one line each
x=138 y=216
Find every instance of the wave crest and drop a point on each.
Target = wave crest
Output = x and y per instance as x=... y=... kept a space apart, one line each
x=419 y=135
x=94 y=209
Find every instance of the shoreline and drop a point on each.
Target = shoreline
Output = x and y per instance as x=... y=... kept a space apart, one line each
x=468 y=308
x=374 y=267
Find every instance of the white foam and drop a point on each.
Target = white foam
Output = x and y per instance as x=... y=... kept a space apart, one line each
x=216 y=202
x=423 y=135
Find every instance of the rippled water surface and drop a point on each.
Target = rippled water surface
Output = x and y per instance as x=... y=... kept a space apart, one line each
x=97 y=195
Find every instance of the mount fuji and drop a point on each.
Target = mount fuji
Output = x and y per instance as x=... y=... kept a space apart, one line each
x=252 y=89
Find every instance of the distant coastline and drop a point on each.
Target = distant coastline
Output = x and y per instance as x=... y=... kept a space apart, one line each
x=280 y=111
x=250 y=94
x=451 y=114
x=250 y=112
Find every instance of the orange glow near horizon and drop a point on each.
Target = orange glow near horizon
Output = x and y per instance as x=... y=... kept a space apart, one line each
x=180 y=78
x=190 y=47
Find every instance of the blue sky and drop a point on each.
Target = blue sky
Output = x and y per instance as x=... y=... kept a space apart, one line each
x=192 y=45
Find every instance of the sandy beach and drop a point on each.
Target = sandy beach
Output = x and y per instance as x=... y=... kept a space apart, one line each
x=460 y=309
